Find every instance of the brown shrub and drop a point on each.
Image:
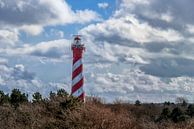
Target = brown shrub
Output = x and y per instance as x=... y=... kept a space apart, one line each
x=99 y=117
x=66 y=112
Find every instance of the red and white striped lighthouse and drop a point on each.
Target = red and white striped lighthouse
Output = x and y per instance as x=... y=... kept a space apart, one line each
x=77 y=69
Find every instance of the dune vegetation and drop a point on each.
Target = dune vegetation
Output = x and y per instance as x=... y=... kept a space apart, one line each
x=62 y=111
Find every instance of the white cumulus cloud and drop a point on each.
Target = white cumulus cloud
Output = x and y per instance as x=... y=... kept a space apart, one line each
x=32 y=16
x=103 y=5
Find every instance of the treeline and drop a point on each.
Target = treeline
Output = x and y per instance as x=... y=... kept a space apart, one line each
x=179 y=112
x=17 y=97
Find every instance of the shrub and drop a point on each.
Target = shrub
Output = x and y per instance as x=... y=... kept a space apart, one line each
x=17 y=97
x=166 y=103
x=183 y=117
x=184 y=103
x=95 y=100
x=4 y=98
x=52 y=95
x=62 y=93
x=70 y=103
x=165 y=113
x=190 y=110
x=137 y=103
x=37 y=97
x=177 y=115
x=181 y=100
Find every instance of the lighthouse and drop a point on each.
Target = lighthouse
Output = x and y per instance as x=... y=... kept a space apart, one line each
x=77 y=69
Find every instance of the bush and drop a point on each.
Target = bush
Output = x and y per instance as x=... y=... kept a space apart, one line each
x=37 y=97
x=70 y=103
x=181 y=100
x=17 y=97
x=165 y=113
x=177 y=115
x=183 y=117
x=52 y=95
x=137 y=103
x=4 y=98
x=167 y=103
x=190 y=110
x=184 y=103
x=62 y=93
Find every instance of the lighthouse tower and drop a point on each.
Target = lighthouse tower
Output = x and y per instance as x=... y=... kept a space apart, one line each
x=77 y=69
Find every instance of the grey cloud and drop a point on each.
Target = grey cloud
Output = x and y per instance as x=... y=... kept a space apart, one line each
x=180 y=11
x=158 y=47
x=35 y=12
x=170 y=67
x=19 y=72
x=31 y=16
x=28 y=14
x=51 y=53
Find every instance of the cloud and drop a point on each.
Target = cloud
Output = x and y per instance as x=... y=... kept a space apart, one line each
x=20 y=78
x=54 y=33
x=32 y=16
x=41 y=12
x=52 y=49
x=3 y=61
x=143 y=41
x=103 y=5
x=84 y=16
x=133 y=84
x=143 y=51
x=129 y=55
x=190 y=28
x=165 y=14
x=8 y=38
x=148 y=49
x=131 y=29
x=12 y=77
x=170 y=67
x=49 y=49
x=32 y=29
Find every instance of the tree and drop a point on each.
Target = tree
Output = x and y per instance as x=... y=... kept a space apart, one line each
x=37 y=97
x=178 y=115
x=165 y=113
x=181 y=100
x=52 y=95
x=190 y=110
x=166 y=103
x=137 y=103
x=4 y=98
x=62 y=93
x=17 y=97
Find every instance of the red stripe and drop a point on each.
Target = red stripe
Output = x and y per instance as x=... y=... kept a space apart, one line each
x=77 y=86
x=77 y=71
x=76 y=59
x=82 y=96
x=77 y=52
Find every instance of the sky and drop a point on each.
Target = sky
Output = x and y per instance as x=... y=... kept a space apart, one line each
x=135 y=49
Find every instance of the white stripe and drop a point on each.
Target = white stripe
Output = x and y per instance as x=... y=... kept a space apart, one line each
x=77 y=64
x=78 y=92
x=77 y=79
